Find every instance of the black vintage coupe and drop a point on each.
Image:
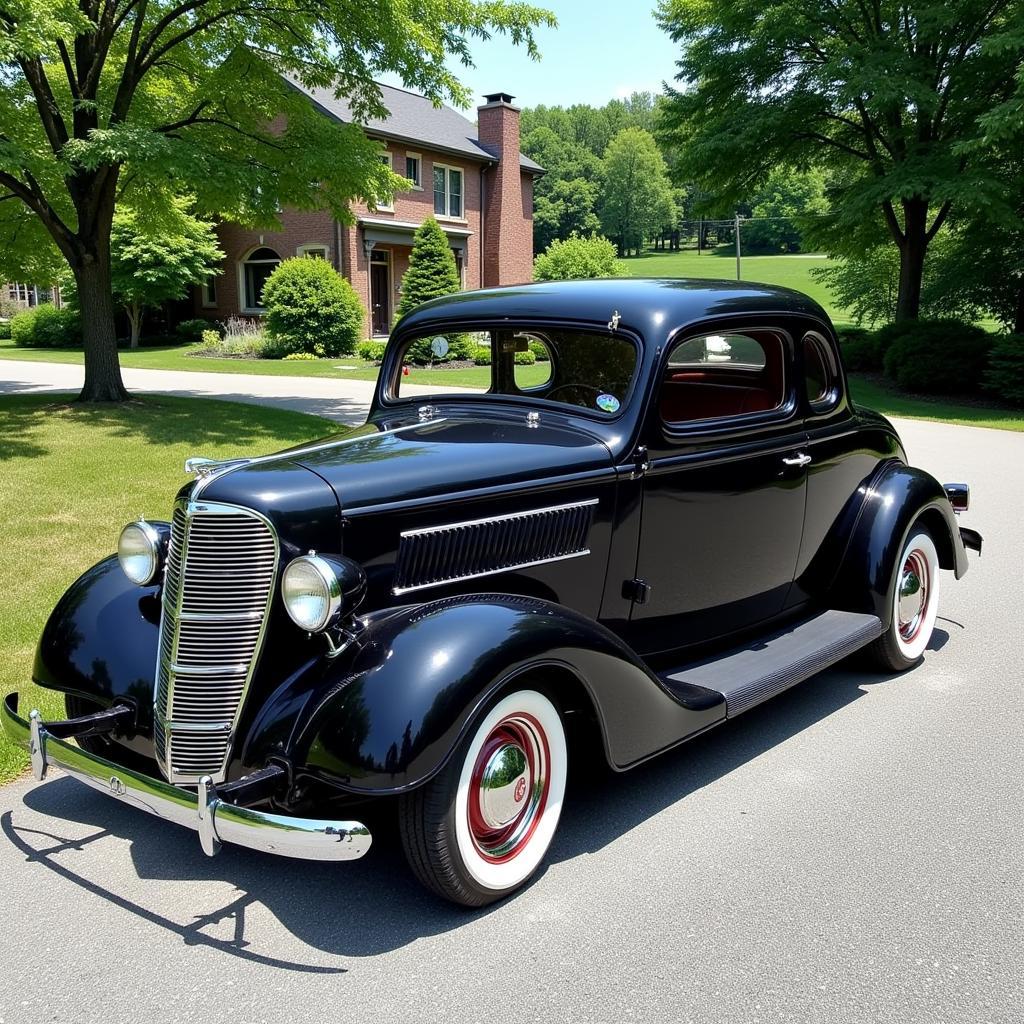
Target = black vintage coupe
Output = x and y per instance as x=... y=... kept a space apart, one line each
x=675 y=515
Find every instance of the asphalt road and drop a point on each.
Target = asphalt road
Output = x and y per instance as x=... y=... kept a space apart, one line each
x=851 y=851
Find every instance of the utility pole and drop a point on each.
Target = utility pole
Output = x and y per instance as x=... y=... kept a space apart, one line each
x=738 y=247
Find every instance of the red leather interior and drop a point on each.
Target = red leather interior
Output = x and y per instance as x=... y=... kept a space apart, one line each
x=716 y=391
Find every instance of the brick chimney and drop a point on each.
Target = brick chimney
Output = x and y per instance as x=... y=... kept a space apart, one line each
x=508 y=196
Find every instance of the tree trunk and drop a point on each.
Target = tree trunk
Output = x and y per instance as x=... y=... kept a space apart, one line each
x=1018 y=317
x=102 y=370
x=135 y=319
x=912 y=253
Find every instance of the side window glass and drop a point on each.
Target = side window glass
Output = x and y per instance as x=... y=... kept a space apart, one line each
x=715 y=376
x=820 y=376
x=532 y=364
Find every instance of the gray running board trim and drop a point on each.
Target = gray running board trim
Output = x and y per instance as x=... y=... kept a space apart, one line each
x=749 y=675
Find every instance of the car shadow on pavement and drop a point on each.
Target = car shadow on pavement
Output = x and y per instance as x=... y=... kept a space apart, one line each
x=374 y=905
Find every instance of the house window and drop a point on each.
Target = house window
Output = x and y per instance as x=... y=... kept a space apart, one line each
x=412 y=170
x=385 y=159
x=316 y=250
x=447 y=191
x=258 y=266
x=208 y=292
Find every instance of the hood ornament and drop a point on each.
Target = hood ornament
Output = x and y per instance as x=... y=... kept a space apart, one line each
x=201 y=466
x=613 y=324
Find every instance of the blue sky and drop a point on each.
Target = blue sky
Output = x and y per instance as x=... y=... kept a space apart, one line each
x=600 y=50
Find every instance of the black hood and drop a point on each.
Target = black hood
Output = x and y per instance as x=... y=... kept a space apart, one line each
x=446 y=456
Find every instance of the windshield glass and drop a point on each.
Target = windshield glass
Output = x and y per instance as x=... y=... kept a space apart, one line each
x=589 y=370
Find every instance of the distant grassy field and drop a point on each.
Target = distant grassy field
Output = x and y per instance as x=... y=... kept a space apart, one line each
x=73 y=475
x=788 y=271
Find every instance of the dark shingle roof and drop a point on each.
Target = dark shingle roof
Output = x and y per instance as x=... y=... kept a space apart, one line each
x=413 y=118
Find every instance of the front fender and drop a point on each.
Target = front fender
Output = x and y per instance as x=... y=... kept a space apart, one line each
x=388 y=719
x=100 y=641
x=892 y=501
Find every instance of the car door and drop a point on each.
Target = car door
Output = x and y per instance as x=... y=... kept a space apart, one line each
x=723 y=490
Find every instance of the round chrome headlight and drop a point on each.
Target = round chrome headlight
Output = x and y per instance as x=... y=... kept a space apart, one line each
x=138 y=551
x=311 y=591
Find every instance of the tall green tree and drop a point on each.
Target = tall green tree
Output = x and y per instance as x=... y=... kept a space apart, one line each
x=891 y=96
x=104 y=101
x=637 y=199
x=568 y=209
x=155 y=262
x=781 y=206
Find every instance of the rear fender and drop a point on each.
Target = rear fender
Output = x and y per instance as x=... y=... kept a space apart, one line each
x=891 y=503
x=386 y=717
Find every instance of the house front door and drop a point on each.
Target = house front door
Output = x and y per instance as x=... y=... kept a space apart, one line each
x=380 y=297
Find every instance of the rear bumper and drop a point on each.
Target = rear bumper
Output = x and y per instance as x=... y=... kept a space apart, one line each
x=215 y=820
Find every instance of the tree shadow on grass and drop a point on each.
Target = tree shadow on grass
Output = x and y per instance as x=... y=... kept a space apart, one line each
x=383 y=907
x=159 y=420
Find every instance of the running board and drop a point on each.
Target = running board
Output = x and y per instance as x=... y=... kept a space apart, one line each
x=748 y=675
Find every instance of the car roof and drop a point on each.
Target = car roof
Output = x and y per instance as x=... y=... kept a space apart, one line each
x=655 y=307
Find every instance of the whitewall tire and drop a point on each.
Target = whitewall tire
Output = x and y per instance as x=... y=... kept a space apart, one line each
x=914 y=604
x=480 y=829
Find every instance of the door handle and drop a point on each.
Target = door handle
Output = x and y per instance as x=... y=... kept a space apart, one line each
x=798 y=461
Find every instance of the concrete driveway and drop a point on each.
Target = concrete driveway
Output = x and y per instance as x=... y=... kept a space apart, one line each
x=332 y=397
x=850 y=852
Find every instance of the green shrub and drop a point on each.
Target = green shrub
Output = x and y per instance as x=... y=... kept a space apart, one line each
x=540 y=351
x=45 y=326
x=524 y=358
x=574 y=258
x=247 y=346
x=940 y=357
x=295 y=356
x=460 y=346
x=5 y=330
x=371 y=350
x=193 y=330
x=482 y=356
x=1005 y=374
x=432 y=272
x=862 y=352
x=312 y=308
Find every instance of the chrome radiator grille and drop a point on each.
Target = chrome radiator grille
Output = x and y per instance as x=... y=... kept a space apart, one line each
x=221 y=568
x=455 y=552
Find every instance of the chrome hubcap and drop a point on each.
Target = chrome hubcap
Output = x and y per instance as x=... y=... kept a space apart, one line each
x=509 y=787
x=913 y=594
x=503 y=785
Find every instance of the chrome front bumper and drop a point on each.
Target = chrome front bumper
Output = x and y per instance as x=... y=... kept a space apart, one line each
x=215 y=820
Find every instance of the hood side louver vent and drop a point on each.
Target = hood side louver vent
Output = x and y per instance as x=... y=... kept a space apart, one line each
x=455 y=552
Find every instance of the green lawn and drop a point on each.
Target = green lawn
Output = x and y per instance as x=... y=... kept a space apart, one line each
x=788 y=271
x=878 y=394
x=347 y=367
x=73 y=476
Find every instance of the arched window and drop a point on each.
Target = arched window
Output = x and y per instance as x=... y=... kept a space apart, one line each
x=256 y=268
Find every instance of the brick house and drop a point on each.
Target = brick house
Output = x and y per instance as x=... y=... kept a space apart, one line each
x=472 y=178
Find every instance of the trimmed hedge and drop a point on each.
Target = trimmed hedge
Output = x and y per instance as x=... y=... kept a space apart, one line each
x=45 y=326
x=941 y=357
x=5 y=329
x=1005 y=374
